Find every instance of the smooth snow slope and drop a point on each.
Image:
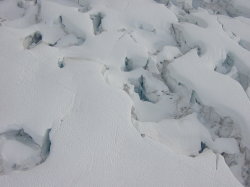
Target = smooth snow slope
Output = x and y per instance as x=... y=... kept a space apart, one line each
x=127 y=97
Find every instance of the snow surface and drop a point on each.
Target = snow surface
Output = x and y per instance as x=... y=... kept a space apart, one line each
x=135 y=92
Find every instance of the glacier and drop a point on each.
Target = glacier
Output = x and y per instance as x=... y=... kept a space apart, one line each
x=124 y=93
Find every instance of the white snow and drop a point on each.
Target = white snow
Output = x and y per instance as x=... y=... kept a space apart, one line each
x=136 y=93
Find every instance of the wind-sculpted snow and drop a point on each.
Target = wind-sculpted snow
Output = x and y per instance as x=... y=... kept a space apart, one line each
x=124 y=93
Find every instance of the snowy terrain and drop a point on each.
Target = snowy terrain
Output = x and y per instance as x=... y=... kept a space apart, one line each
x=124 y=93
